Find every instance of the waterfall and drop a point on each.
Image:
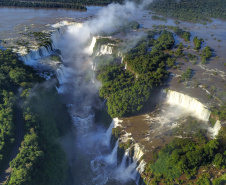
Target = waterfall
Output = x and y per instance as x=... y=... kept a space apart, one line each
x=105 y=50
x=29 y=58
x=138 y=153
x=188 y=103
x=66 y=23
x=131 y=165
x=93 y=151
x=112 y=158
x=32 y=57
x=62 y=74
x=108 y=134
x=55 y=37
x=92 y=45
x=215 y=130
x=123 y=164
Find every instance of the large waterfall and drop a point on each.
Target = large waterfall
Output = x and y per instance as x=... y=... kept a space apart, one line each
x=32 y=57
x=92 y=45
x=189 y=104
x=194 y=107
x=94 y=161
x=131 y=165
x=105 y=50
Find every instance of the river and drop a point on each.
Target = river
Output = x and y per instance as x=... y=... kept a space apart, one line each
x=91 y=158
x=90 y=155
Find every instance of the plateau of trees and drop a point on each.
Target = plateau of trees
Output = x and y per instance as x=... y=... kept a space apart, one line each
x=155 y=17
x=186 y=75
x=128 y=90
x=187 y=155
x=42 y=38
x=12 y=74
x=178 y=31
x=197 y=42
x=220 y=112
x=206 y=53
x=190 y=10
x=41 y=159
x=181 y=33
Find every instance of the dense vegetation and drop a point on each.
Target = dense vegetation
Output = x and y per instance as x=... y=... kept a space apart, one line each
x=45 y=4
x=70 y=4
x=186 y=75
x=197 y=42
x=41 y=37
x=178 y=31
x=155 y=17
x=220 y=112
x=186 y=156
x=181 y=33
x=190 y=10
x=13 y=74
x=40 y=159
x=84 y=2
x=206 y=53
x=127 y=90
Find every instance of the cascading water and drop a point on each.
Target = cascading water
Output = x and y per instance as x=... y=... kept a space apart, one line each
x=94 y=161
x=105 y=50
x=129 y=168
x=190 y=104
x=34 y=56
x=215 y=129
x=90 y=50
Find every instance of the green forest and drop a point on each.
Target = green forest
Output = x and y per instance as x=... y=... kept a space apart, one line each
x=128 y=90
x=69 y=4
x=29 y=4
x=189 y=156
x=84 y=2
x=41 y=159
x=190 y=10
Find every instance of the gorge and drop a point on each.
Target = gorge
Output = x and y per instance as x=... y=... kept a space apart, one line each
x=120 y=151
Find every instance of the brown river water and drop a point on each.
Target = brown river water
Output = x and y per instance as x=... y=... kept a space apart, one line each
x=16 y=20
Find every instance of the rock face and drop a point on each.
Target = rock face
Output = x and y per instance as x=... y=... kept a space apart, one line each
x=129 y=153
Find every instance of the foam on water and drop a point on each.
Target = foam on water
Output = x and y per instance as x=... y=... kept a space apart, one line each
x=105 y=50
x=92 y=141
x=189 y=103
x=215 y=129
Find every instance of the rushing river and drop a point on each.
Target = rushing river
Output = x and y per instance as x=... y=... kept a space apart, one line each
x=91 y=157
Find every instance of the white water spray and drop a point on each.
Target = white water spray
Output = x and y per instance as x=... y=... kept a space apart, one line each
x=189 y=104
